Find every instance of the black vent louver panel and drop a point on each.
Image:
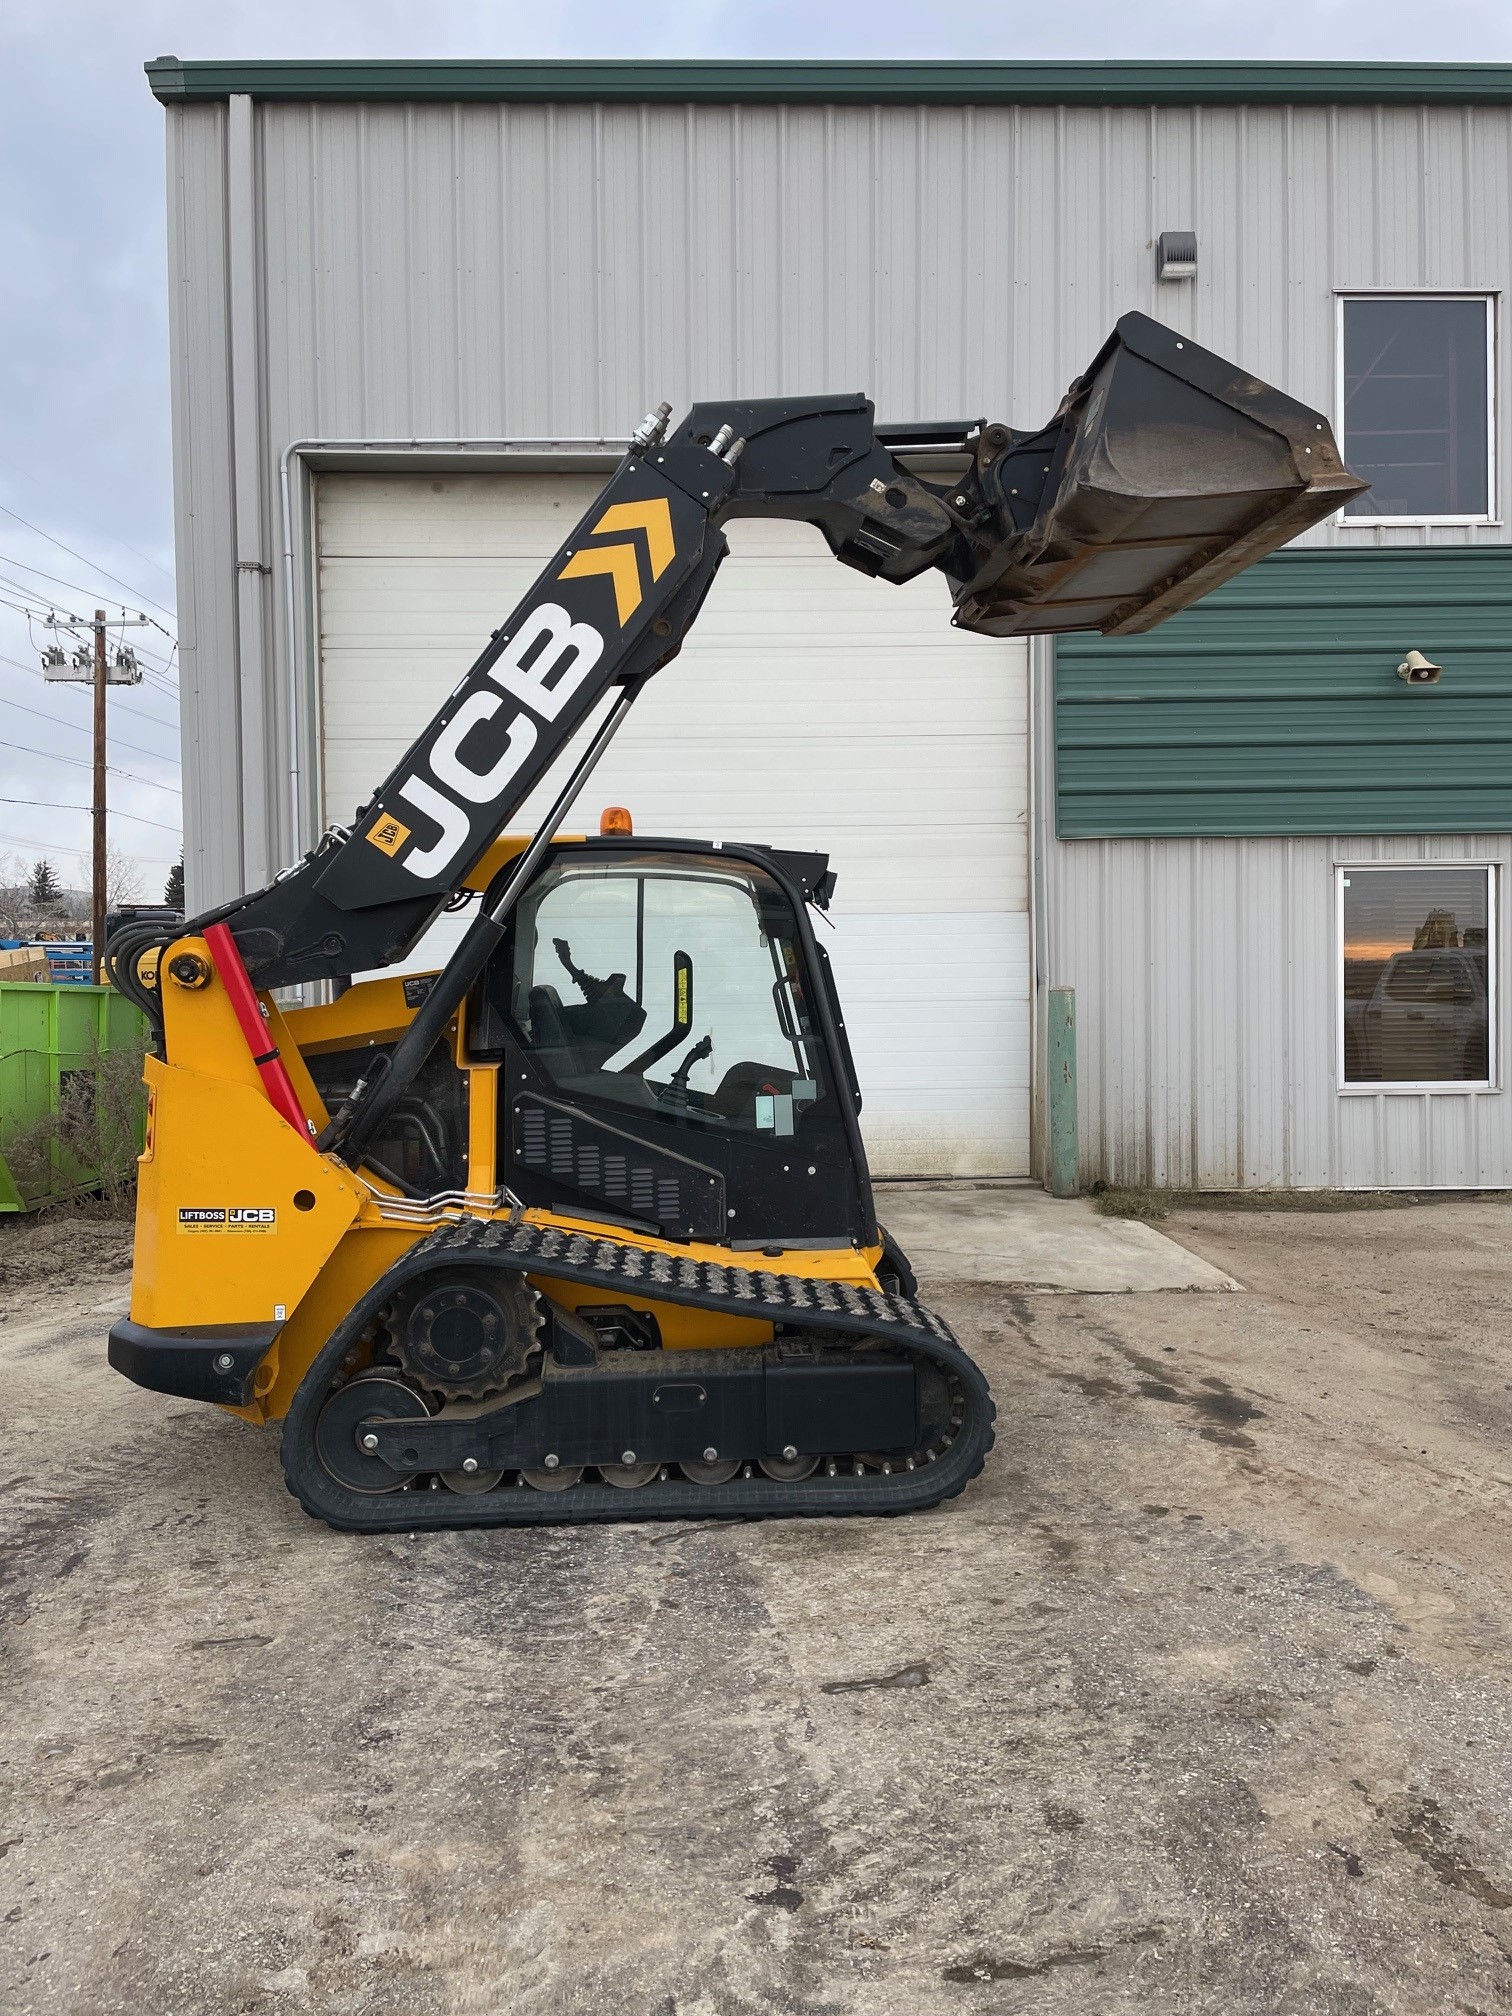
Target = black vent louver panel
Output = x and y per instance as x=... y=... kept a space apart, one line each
x=584 y=1157
x=532 y=1132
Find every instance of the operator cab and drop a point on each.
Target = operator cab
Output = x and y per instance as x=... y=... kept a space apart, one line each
x=670 y=1045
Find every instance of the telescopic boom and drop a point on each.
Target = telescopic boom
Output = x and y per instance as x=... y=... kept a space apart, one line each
x=1165 y=471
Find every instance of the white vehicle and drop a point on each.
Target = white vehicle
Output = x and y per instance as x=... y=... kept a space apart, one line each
x=1428 y=1017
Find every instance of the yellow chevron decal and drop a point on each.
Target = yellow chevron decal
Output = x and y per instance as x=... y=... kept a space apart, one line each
x=621 y=564
x=654 y=518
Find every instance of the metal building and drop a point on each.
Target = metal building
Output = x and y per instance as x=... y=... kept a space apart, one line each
x=415 y=307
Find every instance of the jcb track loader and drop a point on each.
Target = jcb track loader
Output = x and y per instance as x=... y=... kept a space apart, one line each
x=509 y=1243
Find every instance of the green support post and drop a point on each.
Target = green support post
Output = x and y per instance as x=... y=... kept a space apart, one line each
x=1065 y=1161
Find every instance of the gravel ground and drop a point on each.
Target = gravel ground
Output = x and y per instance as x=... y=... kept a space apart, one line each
x=1196 y=1701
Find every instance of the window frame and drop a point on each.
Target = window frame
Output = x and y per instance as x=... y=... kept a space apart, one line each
x=1454 y=1087
x=1491 y=297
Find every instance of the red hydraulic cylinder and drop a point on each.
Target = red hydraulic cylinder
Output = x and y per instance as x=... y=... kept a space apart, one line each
x=248 y=1010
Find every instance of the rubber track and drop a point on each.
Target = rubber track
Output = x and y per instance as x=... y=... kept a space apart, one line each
x=522 y=1248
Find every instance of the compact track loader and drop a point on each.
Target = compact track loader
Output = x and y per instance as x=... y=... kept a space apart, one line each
x=512 y=1243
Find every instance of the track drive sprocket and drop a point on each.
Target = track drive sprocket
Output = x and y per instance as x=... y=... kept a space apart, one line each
x=467 y=1337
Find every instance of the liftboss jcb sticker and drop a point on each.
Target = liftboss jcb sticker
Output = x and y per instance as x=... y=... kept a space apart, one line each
x=237 y=1218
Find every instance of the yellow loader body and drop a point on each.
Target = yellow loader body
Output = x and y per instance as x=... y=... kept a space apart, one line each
x=242 y=1222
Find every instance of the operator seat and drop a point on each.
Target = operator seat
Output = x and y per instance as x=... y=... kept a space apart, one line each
x=548 y=1020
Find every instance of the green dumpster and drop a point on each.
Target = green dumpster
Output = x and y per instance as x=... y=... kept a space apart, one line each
x=70 y=1102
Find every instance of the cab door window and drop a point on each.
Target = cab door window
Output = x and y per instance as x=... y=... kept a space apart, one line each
x=667 y=985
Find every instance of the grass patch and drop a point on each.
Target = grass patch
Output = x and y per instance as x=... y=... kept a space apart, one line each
x=1150 y=1206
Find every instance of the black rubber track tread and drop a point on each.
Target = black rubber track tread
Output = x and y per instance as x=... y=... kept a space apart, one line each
x=554 y=1254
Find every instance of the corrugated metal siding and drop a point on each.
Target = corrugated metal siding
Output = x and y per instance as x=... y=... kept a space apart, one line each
x=1207 y=978
x=500 y=270
x=204 y=530
x=1274 y=706
x=503 y=270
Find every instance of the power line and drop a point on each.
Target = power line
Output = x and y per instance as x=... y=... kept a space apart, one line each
x=153 y=661
x=36 y=610
x=116 y=741
x=51 y=805
x=115 y=539
x=154 y=658
x=158 y=669
x=105 y=571
x=78 y=588
x=49 y=756
x=77 y=685
x=43 y=853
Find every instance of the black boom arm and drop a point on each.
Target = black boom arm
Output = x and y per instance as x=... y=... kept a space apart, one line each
x=1165 y=471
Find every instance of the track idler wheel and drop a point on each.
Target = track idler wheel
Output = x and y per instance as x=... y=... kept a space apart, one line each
x=371 y=1396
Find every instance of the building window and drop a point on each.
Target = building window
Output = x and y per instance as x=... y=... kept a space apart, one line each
x=1419 y=976
x=1416 y=393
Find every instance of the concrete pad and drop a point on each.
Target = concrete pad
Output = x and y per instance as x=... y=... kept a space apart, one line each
x=1018 y=1236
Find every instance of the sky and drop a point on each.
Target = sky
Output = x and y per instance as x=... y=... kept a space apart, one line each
x=85 y=489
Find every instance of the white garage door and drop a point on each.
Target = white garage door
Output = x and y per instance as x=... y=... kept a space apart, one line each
x=811 y=708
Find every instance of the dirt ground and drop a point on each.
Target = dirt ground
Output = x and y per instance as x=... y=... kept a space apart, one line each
x=1196 y=1701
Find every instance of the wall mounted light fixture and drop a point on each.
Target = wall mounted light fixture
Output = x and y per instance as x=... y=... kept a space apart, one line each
x=1176 y=255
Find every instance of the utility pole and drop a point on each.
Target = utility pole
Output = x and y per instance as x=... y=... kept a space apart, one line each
x=97 y=905
x=97 y=668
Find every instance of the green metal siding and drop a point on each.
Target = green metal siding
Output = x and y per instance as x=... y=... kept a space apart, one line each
x=1273 y=706
x=797 y=83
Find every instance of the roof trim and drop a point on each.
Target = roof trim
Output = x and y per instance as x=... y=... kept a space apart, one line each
x=797 y=83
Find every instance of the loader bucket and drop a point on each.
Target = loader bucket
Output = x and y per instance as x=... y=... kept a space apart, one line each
x=1166 y=471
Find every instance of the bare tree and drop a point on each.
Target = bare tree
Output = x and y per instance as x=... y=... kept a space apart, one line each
x=14 y=881
x=123 y=879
